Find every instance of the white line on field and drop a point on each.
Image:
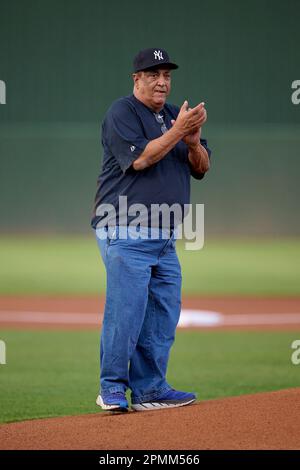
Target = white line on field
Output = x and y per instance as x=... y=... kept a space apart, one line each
x=188 y=318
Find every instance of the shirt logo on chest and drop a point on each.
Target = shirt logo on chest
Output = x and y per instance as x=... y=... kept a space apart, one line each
x=158 y=55
x=132 y=148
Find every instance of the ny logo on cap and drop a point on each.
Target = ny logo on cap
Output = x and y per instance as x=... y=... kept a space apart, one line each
x=158 y=55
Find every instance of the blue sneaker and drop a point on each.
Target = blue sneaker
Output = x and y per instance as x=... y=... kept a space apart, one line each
x=171 y=399
x=112 y=401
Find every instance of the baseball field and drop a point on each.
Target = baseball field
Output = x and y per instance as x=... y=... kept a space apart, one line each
x=240 y=317
x=63 y=65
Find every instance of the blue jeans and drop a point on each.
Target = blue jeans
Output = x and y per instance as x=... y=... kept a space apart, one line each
x=143 y=303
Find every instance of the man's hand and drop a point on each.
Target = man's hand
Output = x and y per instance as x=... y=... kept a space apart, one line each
x=187 y=127
x=189 y=120
x=193 y=138
x=198 y=156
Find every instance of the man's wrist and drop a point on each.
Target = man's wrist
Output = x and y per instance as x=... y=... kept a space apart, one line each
x=177 y=132
x=194 y=147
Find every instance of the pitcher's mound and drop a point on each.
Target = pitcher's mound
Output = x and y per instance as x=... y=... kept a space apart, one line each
x=261 y=421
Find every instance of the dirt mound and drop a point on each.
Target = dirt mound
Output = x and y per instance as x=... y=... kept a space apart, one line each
x=261 y=421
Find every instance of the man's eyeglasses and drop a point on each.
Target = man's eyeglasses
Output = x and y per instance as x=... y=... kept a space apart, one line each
x=159 y=118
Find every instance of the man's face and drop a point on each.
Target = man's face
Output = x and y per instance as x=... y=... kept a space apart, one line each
x=153 y=87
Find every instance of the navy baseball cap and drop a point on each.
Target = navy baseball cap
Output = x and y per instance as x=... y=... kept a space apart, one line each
x=152 y=58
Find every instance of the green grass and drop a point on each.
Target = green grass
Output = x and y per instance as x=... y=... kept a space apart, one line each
x=72 y=265
x=52 y=373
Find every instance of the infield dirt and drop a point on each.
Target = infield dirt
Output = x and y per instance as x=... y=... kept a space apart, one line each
x=261 y=421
